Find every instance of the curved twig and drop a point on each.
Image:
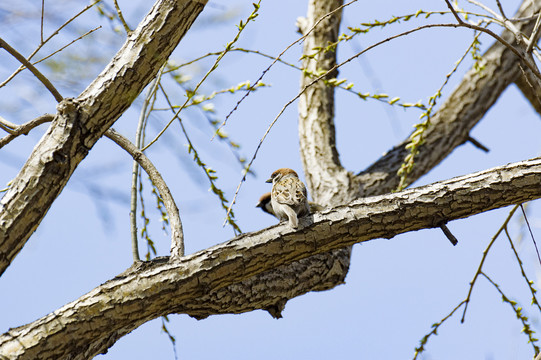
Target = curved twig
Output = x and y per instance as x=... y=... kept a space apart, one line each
x=17 y=55
x=43 y=42
x=25 y=128
x=177 y=237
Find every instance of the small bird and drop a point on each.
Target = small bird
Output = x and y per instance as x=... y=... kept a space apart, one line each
x=266 y=205
x=288 y=196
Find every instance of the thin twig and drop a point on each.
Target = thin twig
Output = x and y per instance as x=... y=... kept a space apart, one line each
x=177 y=236
x=528 y=18
x=448 y=234
x=434 y=331
x=487 y=9
x=133 y=189
x=518 y=312
x=121 y=18
x=530 y=283
x=173 y=68
x=42 y=16
x=518 y=53
x=477 y=144
x=485 y=253
x=65 y=46
x=531 y=233
x=7 y=126
x=535 y=34
x=25 y=128
x=22 y=67
x=135 y=167
x=501 y=9
x=229 y=46
x=277 y=59
x=32 y=68
x=453 y=11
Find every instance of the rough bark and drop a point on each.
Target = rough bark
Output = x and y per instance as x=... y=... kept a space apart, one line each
x=328 y=182
x=204 y=283
x=527 y=84
x=220 y=279
x=460 y=112
x=80 y=122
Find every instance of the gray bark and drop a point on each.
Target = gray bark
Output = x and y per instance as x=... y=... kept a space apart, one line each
x=260 y=270
x=460 y=112
x=80 y=122
x=204 y=283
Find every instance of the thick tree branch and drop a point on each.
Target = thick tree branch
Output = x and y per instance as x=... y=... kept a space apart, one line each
x=80 y=122
x=177 y=237
x=221 y=279
x=328 y=182
x=97 y=319
x=461 y=111
x=324 y=175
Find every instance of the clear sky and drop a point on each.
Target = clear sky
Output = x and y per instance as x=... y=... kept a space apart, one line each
x=395 y=288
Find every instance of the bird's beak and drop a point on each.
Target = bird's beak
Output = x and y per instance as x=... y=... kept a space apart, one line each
x=269 y=180
x=259 y=204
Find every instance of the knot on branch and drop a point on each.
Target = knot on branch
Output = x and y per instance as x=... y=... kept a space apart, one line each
x=67 y=106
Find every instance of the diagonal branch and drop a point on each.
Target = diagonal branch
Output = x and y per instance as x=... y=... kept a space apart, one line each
x=508 y=24
x=462 y=110
x=177 y=237
x=32 y=68
x=160 y=287
x=80 y=122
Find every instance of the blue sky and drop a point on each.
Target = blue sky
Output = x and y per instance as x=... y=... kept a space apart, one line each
x=395 y=288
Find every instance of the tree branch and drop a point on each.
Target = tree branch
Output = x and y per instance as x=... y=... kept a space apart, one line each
x=96 y=320
x=519 y=53
x=462 y=110
x=32 y=68
x=328 y=182
x=80 y=122
x=25 y=128
x=177 y=237
x=527 y=84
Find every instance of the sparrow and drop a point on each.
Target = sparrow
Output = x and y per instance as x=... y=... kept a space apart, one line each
x=266 y=205
x=288 y=196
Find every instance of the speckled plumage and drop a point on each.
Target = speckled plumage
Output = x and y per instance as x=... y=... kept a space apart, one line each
x=288 y=196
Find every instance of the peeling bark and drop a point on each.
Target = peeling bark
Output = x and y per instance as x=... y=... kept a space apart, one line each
x=204 y=283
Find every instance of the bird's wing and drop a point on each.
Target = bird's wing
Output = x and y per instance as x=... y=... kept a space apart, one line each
x=290 y=192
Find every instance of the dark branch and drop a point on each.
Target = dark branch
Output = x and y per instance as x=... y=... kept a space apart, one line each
x=477 y=144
